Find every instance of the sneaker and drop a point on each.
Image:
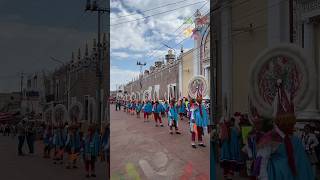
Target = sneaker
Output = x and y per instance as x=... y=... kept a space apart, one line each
x=161 y=125
x=178 y=132
x=202 y=145
x=194 y=146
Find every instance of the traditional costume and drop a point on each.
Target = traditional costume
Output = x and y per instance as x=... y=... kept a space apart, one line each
x=59 y=139
x=147 y=109
x=173 y=118
x=72 y=146
x=91 y=151
x=47 y=141
x=281 y=154
x=157 y=109
x=181 y=109
x=138 y=109
x=199 y=122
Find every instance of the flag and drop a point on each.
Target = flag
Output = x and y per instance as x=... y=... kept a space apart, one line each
x=188 y=21
x=188 y=32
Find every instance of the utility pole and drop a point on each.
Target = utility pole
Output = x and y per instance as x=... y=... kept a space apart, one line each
x=21 y=90
x=141 y=65
x=93 y=7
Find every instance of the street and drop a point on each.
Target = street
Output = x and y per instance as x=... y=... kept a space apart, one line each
x=139 y=150
x=34 y=167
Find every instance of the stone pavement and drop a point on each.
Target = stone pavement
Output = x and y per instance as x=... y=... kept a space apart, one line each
x=139 y=150
x=34 y=167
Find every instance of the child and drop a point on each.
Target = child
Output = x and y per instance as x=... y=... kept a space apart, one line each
x=91 y=150
x=173 y=117
x=47 y=140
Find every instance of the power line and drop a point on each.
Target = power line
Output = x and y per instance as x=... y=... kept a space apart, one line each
x=157 y=14
x=151 y=9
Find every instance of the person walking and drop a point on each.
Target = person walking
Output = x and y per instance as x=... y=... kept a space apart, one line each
x=30 y=137
x=21 y=136
x=91 y=150
x=173 y=117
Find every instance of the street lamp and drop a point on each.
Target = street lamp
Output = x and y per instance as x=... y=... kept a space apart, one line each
x=93 y=7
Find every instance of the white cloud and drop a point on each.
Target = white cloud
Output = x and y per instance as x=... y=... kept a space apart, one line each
x=120 y=76
x=135 y=36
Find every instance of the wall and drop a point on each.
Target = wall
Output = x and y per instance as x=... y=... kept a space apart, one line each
x=246 y=46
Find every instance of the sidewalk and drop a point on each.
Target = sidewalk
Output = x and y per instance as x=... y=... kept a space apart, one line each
x=34 y=167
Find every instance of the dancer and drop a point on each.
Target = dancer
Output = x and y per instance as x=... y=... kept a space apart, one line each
x=281 y=154
x=147 y=109
x=157 y=109
x=199 y=122
x=73 y=146
x=173 y=117
x=138 y=108
x=181 y=109
x=21 y=136
x=47 y=141
x=91 y=150
x=133 y=107
x=59 y=142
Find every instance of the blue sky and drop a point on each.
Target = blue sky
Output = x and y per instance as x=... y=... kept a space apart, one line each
x=142 y=40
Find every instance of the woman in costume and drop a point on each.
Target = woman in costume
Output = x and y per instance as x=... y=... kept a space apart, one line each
x=199 y=122
x=281 y=154
x=72 y=146
x=173 y=117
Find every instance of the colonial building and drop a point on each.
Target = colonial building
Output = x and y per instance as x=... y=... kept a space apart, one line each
x=159 y=82
x=71 y=90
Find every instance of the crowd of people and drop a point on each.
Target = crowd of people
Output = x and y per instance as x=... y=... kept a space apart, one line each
x=250 y=146
x=66 y=144
x=195 y=110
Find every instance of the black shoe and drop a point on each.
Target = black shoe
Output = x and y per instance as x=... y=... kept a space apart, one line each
x=93 y=175
x=87 y=175
x=75 y=167
x=202 y=145
x=171 y=132
x=194 y=146
x=161 y=125
x=178 y=132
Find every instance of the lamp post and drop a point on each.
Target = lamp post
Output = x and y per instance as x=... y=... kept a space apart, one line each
x=93 y=7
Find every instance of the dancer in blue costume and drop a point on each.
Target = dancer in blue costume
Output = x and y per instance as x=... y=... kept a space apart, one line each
x=138 y=108
x=173 y=117
x=133 y=107
x=166 y=107
x=91 y=150
x=230 y=158
x=147 y=109
x=157 y=109
x=181 y=109
x=199 y=122
x=59 y=139
x=281 y=154
x=72 y=146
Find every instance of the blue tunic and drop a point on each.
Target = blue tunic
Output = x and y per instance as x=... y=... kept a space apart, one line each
x=230 y=148
x=158 y=108
x=278 y=167
x=92 y=146
x=139 y=107
x=201 y=121
x=181 y=108
x=148 y=108
x=173 y=114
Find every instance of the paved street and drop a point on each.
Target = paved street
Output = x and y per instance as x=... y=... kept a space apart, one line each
x=140 y=149
x=34 y=167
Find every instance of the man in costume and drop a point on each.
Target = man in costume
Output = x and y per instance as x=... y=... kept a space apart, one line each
x=281 y=154
x=157 y=109
x=199 y=121
x=147 y=110
x=173 y=117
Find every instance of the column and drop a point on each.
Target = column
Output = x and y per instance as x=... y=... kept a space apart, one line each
x=311 y=111
x=226 y=56
x=278 y=22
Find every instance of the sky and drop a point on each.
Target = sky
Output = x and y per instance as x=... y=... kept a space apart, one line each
x=142 y=40
x=33 y=31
